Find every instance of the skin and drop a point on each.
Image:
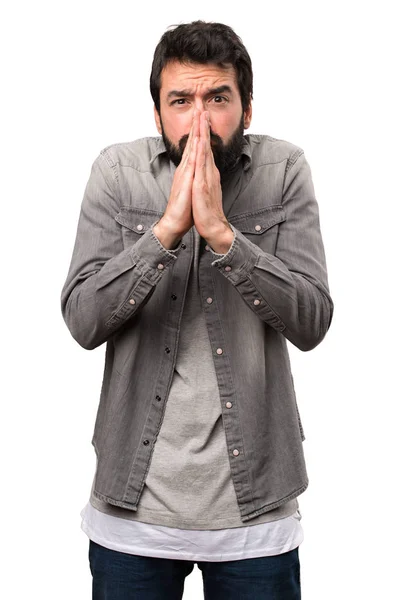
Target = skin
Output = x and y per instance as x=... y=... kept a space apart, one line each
x=196 y=195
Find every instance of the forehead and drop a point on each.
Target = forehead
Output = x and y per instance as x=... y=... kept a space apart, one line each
x=177 y=75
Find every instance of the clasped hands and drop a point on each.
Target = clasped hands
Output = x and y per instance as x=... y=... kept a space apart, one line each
x=196 y=195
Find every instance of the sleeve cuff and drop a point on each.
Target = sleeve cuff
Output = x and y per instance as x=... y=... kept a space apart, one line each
x=172 y=252
x=151 y=257
x=239 y=260
x=219 y=256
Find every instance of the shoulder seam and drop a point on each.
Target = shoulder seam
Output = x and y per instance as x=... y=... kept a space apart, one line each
x=293 y=158
x=114 y=161
x=110 y=163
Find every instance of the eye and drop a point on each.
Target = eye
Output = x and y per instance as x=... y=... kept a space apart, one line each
x=179 y=101
x=220 y=99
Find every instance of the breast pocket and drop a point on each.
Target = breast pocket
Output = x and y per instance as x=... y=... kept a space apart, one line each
x=135 y=222
x=261 y=227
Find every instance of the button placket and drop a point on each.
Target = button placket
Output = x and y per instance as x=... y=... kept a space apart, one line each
x=163 y=378
x=232 y=428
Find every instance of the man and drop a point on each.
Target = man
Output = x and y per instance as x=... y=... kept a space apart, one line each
x=197 y=255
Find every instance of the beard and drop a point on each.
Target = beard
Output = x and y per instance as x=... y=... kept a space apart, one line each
x=226 y=155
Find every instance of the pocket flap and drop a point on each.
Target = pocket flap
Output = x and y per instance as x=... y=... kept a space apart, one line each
x=258 y=222
x=138 y=220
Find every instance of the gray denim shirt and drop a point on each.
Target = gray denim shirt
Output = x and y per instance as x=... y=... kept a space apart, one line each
x=124 y=288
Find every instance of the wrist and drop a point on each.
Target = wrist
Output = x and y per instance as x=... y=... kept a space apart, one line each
x=221 y=240
x=167 y=236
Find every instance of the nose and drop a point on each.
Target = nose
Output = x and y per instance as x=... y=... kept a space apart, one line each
x=200 y=104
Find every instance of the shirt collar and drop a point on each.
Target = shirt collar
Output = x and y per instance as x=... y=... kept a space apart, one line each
x=246 y=153
x=159 y=149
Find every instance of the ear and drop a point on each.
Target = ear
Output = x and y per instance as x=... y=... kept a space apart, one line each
x=157 y=120
x=247 y=116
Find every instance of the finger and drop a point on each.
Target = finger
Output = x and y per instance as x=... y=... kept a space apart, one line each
x=192 y=132
x=200 y=173
x=192 y=135
x=207 y=127
x=203 y=131
x=190 y=166
x=192 y=150
x=209 y=166
x=196 y=123
x=189 y=143
x=203 y=126
x=184 y=182
x=193 y=155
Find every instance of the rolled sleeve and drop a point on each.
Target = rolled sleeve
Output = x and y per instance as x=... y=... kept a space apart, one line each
x=107 y=283
x=151 y=257
x=288 y=290
x=236 y=262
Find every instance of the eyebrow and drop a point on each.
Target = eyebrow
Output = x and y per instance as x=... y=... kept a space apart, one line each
x=209 y=92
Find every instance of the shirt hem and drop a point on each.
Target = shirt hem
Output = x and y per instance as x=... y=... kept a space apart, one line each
x=297 y=540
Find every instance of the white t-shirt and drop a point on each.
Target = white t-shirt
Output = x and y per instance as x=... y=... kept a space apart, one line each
x=237 y=543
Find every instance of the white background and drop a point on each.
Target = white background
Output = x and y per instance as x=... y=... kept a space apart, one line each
x=75 y=79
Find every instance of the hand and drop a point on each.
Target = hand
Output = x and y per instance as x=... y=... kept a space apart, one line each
x=207 y=207
x=178 y=217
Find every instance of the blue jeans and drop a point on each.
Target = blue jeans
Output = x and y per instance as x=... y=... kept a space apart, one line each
x=121 y=576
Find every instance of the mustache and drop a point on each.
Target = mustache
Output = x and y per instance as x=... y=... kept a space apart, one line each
x=214 y=137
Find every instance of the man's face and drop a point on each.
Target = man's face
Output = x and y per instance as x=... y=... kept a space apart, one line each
x=185 y=87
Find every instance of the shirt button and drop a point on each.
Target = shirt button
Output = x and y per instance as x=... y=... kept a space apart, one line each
x=139 y=227
x=256 y=302
x=146 y=442
x=158 y=398
x=235 y=452
x=131 y=301
x=183 y=246
x=228 y=268
x=173 y=297
x=228 y=405
x=257 y=227
x=219 y=351
x=160 y=267
x=167 y=350
x=207 y=247
x=209 y=300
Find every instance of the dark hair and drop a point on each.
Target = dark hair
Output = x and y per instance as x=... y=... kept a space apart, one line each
x=201 y=42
